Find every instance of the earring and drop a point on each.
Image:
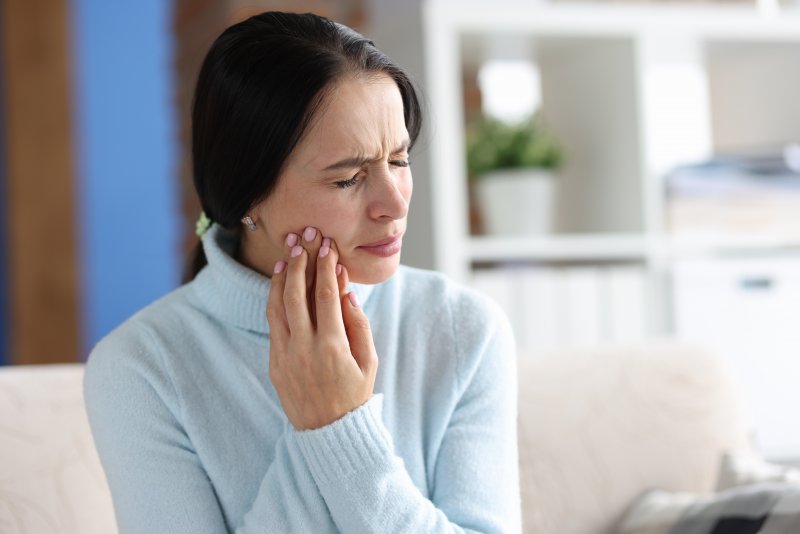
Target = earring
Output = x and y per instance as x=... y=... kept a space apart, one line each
x=249 y=223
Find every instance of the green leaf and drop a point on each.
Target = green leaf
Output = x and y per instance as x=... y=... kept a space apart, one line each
x=493 y=144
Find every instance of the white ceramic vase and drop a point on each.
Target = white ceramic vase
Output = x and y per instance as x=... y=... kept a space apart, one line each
x=517 y=201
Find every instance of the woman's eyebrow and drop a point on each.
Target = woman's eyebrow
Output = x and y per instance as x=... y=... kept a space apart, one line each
x=358 y=161
x=348 y=163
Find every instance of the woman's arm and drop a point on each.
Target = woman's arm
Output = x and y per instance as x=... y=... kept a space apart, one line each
x=474 y=487
x=321 y=367
x=157 y=480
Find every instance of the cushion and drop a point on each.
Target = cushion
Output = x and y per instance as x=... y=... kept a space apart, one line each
x=753 y=496
x=739 y=470
x=765 y=508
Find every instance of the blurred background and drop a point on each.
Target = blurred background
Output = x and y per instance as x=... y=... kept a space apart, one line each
x=608 y=172
x=97 y=204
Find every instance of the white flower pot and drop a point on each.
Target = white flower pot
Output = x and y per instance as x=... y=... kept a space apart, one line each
x=517 y=201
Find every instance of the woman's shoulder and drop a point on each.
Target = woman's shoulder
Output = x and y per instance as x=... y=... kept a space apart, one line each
x=459 y=319
x=439 y=304
x=436 y=290
x=134 y=340
x=128 y=370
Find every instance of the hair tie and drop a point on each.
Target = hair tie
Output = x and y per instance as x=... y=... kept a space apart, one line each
x=202 y=225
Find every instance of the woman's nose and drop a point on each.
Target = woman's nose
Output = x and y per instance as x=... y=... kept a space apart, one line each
x=390 y=195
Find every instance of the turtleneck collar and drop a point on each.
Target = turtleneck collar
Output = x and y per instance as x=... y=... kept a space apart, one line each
x=234 y=293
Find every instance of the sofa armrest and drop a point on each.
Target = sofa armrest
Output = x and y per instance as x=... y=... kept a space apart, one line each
x=51 y=479
x=598 y=427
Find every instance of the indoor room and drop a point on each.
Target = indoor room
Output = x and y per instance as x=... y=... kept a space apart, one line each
x=585 y=321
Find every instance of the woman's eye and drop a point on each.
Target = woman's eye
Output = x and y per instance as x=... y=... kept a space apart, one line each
x=399 y=162
x=344 y=184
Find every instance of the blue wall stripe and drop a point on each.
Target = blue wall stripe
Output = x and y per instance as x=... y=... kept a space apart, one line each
x=127 y=155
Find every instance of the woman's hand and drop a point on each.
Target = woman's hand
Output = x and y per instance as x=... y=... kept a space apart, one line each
x=322 y=360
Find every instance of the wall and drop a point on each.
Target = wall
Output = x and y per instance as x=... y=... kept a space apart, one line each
x=100 y=207
x=396 y=28
x=41 y=259
x=127 y=156
x=90 y=213
x=4 y=326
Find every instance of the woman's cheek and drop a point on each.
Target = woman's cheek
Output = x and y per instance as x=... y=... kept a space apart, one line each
x=407 y=183
x=333 y=222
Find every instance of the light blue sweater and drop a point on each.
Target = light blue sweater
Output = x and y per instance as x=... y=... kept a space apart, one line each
x=193 y=439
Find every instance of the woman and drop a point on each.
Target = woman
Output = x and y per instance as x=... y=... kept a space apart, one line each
x=251 y=399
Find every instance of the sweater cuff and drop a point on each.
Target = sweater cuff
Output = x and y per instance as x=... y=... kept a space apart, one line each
x=354 y=443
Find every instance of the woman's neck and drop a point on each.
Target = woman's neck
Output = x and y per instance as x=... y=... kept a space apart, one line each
x=251 y=253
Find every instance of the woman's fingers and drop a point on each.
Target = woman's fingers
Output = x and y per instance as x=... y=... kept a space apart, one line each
x=359 y=334
x=311 y=240
x=276 y=313
x=343 y=278
x=310 y=367
x=276 y=317
x=295 y=291
x=329 y=311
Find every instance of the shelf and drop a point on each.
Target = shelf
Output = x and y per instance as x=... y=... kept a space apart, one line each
x=620 y=247
x=676 y=247
x=567 y=247
x=741 y=22
x=630 y=91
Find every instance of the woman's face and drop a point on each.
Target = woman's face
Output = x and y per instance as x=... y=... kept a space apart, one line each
x=348 y=177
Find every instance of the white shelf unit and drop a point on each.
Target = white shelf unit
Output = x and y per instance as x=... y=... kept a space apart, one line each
x=630 y=91
x=610 y=247
x=609 y=75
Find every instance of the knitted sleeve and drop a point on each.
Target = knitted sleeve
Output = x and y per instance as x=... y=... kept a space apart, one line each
x=475 y=486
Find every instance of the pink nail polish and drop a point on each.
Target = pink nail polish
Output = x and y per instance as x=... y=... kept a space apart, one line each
x=338 y=269
x=325 y=248
x=279 y=267
x=296 y=251
x=353 y=298
x=291 y=240
x=309 y=234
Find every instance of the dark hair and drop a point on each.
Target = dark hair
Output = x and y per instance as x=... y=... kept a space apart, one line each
x=260 y=85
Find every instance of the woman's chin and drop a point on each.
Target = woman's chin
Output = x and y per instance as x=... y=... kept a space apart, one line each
x=371 y=272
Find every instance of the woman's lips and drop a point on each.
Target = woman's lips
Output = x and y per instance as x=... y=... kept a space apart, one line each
x=385 y=247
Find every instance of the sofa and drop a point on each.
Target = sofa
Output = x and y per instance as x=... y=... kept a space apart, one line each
x=597 y=427
x=51 y=480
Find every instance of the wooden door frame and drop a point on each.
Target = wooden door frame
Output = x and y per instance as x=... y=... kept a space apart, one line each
x=42 y=259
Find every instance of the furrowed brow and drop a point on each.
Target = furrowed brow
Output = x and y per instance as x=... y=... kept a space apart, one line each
x=351 y=163
x=403 y=147
x=348 y=163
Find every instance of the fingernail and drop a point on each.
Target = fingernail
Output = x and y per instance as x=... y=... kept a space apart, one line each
x=353 y=298
x=291 y=240
x=296 y=251
x=279 y=267
x=338 y=269
x=309 y=234
x=325 y=248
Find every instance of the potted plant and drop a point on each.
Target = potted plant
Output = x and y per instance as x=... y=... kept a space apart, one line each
x=514 y=168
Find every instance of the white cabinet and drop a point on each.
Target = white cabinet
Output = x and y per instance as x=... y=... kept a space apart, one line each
x=747 y=309
x=630 y=91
